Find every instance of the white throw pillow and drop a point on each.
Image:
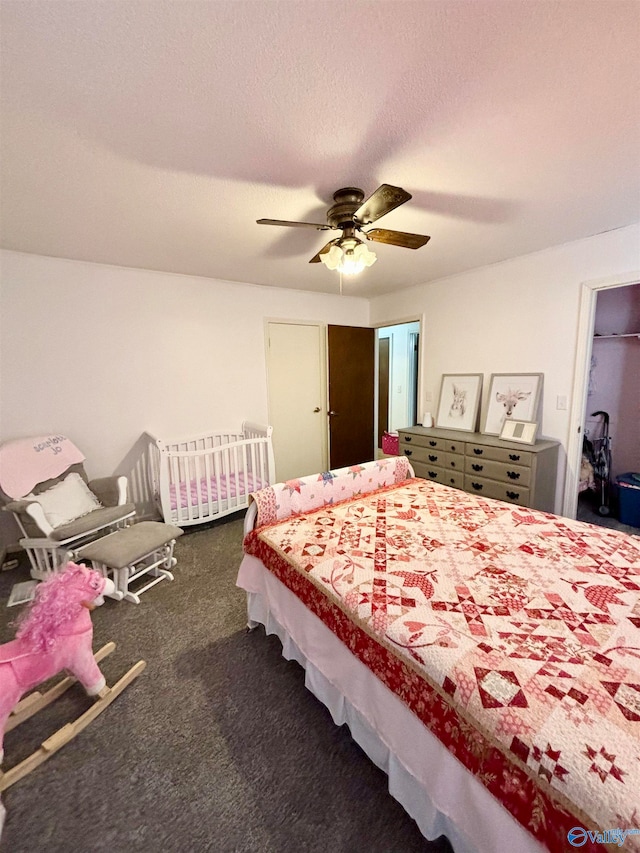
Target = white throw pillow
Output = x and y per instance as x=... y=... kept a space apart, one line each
x=66 y=501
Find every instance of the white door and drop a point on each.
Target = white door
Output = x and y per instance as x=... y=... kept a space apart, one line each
x=296 y=376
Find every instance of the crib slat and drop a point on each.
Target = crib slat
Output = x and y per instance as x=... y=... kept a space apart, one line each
x=208 y=457
x=197 y=476
x=232 y=489
x=217 y=461
x=251 y=472
x=243 y=475
x=173 y=465
x=217 y=473
x=187 y=477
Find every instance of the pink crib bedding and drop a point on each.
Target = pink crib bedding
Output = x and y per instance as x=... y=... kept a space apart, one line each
x=230 y=487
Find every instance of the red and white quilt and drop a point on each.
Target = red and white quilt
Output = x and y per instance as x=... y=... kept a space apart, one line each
x=514 y=635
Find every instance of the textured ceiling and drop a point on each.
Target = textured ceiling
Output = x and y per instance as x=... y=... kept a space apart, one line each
x=154 y=134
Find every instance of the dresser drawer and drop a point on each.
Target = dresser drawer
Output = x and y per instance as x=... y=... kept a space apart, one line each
x=516 y=474
x=493 y=489
x=428 y=455
x=440 y=475
x=453 y=461
x=413 y=439
x=499 y=454
x=453 y=446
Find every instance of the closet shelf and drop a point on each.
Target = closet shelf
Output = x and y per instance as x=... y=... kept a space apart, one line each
x=609 y=337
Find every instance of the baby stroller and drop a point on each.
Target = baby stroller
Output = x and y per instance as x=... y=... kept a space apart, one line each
x=598 y=451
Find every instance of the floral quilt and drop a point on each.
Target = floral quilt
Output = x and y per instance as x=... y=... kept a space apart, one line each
x=513 y=634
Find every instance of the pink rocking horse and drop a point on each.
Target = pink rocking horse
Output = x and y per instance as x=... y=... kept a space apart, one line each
x=56 y=633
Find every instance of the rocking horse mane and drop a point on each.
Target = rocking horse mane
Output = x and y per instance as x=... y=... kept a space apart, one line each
x=57 y=603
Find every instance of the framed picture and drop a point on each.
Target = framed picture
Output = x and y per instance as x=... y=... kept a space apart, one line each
x=512 y=396
x=521 y=431
x=459 y=401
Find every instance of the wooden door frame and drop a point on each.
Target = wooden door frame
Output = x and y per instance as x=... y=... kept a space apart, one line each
x=584 y=342
x=415 y=318
x=324 y=382
x=376 y=402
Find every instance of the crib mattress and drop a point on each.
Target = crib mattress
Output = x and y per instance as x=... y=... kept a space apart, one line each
x=194 y=492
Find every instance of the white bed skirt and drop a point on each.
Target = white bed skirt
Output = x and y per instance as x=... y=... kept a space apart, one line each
x=431 y=784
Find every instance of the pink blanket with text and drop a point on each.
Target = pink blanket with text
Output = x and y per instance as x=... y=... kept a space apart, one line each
x=26 y=462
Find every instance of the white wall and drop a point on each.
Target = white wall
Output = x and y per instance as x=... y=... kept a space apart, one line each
x=517 y=316
x=102 y=353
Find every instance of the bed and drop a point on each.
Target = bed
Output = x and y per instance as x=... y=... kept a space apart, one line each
x=210 y=475
x=485 y=655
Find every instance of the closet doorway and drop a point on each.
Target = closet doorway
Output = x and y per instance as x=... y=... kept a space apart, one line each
x=398 y=370
x=607 y=381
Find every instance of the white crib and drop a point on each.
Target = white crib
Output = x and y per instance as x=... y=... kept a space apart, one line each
x=211 y=475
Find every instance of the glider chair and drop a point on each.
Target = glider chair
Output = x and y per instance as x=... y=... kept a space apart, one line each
x=44 y=484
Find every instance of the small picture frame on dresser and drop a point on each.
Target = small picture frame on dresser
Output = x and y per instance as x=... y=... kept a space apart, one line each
x=459 y=401
x=523 y=432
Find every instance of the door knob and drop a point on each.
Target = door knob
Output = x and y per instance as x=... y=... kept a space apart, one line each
x=317 y=409
x=331 y=413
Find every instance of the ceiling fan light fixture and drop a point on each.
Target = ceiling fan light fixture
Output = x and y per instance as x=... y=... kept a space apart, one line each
x=332 y=258
x=350 y=256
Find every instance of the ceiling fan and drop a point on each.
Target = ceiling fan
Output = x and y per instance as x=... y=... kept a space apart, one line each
x=350 y=214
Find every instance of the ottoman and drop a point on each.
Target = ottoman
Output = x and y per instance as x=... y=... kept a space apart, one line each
x=131 y=552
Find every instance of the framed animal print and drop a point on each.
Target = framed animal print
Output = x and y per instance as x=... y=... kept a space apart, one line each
x=459 y=401
x=512 y=396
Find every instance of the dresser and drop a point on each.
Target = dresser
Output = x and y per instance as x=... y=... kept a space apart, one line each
x=522 y=474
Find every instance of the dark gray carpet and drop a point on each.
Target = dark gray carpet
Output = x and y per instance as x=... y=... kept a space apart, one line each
x=587 y=510
x=218 y=746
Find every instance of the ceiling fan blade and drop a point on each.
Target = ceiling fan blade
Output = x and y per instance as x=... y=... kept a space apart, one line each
x=315 y=225
x=397 y=238
x=316 y=258
x=385 y=199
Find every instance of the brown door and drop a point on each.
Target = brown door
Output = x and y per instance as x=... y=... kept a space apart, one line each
x=351 y=395
x=383 y=387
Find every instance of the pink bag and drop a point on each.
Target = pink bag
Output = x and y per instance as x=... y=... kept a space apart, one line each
x=390 y=444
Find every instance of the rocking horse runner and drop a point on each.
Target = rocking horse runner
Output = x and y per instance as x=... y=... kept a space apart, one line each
x=56 y=633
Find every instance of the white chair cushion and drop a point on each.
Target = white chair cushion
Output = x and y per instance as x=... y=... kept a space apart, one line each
x=66 y=501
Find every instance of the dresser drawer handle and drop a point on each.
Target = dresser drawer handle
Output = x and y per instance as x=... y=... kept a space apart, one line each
x=478 y=451
x=452 y=480
x=453 y=463
x=407 y=438
x=513 y=495
x=477 y=467
x=513 y=475
x=477 y=486
x=433 y=443
x=514 y=457
x=433 y=473
x=432 y=458
x=453 y=447
x=408 y=453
